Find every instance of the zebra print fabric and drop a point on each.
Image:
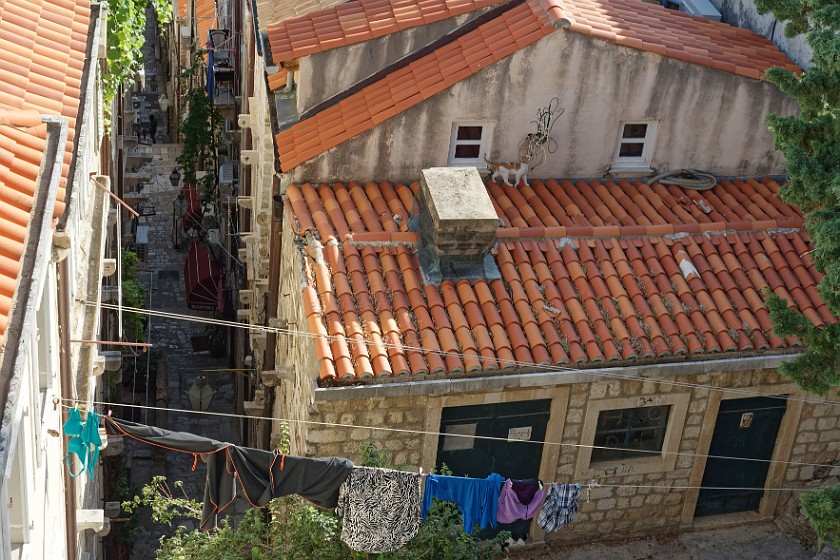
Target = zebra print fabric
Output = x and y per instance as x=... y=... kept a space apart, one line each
x=381 y=509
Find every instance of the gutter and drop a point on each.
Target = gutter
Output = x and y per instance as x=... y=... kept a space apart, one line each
x=35 y=257
x=547 y=379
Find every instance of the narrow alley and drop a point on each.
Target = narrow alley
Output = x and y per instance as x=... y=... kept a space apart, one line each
x=175 y=363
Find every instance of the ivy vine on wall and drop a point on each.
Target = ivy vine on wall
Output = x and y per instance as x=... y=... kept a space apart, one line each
x=126 y=23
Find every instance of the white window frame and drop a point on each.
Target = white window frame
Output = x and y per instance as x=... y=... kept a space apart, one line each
x=663 y=461
x=483 y=143
x=636 y=163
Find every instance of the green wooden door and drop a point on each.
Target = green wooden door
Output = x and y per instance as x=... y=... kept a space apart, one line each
x=745 y=428
x=517 y=424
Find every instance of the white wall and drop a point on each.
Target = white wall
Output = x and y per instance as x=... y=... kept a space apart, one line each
x=708 y=119
x=351 y=64
x=33 y=484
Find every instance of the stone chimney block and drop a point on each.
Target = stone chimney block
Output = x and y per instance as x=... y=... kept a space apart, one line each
x=457 y=224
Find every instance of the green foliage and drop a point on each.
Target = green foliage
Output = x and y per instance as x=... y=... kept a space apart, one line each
x=290 y=528
x=374 y=456
x=126 y=22
x=125 y=530
x=822 y=507
x=200 y=133
x=133 y=294
x=166 y=507
x=811 y=145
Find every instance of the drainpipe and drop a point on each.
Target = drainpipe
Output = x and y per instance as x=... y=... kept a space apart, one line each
x=66 y=378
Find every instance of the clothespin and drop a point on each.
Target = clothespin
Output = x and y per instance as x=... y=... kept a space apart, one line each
x=55 y=403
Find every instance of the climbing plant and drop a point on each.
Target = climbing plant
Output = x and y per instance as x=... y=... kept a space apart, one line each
x=133 y=294
x=126 y=23
x=290 y=528
x=200 y=132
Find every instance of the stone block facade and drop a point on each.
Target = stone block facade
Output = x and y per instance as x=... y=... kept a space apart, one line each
x=634 y=497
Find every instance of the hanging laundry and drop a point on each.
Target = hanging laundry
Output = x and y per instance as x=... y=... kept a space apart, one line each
x=84 y=443
x=560 y=507
x=519 y=500
x=381 y=509
x=264 y=475
x=477 y=498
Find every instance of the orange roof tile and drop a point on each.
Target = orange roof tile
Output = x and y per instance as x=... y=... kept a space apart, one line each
x=22 y=144
x=42 y=55
x=277 y=80
x=355 y=22
x=632 y=23
x=650 y=27
x=408 y=86
x=630 y=272
x=667 y=32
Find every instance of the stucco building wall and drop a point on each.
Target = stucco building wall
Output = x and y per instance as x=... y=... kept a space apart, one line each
x=352 y=64
x=706 y=119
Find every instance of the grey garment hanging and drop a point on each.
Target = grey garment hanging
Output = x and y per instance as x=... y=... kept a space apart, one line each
x=264 y=475
x=381 y=509
x=560 y=506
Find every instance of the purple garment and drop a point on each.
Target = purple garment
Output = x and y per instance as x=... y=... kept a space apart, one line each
x=519 y=500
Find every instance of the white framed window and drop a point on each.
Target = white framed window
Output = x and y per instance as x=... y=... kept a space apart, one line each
x=635 y=146
x=469 y=143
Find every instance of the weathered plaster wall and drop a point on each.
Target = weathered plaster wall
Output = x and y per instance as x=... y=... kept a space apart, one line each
x=743 y=13
x=349 y=65
x=708 y=119
x=809 y=433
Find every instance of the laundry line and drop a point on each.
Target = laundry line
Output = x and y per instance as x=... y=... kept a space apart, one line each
x=594 y=484
x=531 y=365
x=434 y=433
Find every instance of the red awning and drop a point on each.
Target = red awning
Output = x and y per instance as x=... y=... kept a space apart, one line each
x=203 y=278
x=192 y=215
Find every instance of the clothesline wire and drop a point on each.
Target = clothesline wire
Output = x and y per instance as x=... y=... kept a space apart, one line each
x=531 y=365
x=446 y=434
x=592 y=484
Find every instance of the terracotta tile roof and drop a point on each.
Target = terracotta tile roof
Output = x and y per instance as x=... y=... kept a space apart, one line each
x=650 y=27
x=277 y=80
x=355 y=22
x=411 y=84
x=631 y=23
x=270 y=11
x=42 y=55
x=598 y=272
x=22 y=144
